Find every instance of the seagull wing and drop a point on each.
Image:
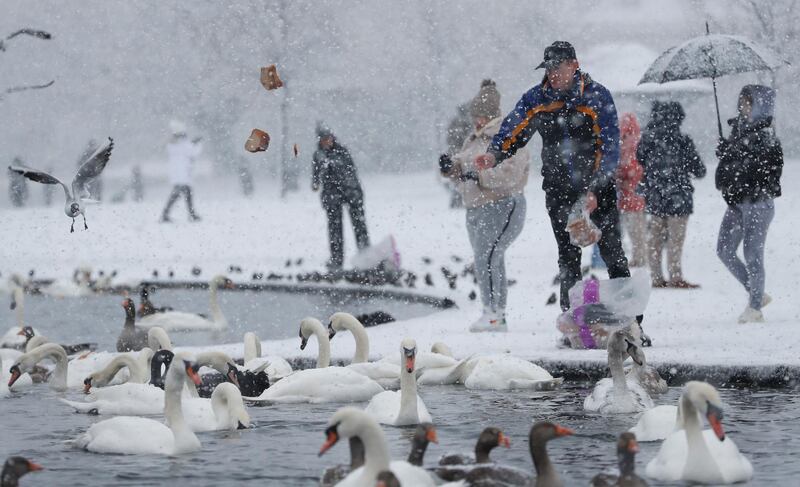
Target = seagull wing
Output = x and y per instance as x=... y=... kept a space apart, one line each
x=38 y=176
x=91 y=169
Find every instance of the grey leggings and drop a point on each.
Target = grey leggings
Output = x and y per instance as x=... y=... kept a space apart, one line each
x=492 y=228
x=748 y=223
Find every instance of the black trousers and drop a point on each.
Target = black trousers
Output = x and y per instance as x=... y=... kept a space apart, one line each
x=177 y=190
x=606 y=217
x=334 y=207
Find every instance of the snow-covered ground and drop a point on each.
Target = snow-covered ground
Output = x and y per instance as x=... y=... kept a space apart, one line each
x=688 y=327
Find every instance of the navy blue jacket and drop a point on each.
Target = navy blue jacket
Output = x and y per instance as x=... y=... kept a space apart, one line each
x=579 y=129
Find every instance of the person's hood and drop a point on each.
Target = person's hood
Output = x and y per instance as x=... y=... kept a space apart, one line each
x=491 y=127
x=763 y=100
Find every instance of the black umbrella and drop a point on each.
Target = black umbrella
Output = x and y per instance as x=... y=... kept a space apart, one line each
x=711 y=56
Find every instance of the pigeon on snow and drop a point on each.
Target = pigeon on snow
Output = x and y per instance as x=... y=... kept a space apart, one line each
x=79 y=195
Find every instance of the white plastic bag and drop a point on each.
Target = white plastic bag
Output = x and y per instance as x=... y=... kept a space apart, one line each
x=582 y=230
x=371 y=257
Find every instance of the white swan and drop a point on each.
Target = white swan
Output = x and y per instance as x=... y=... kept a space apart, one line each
x=135 y=435
x=179 y=320
x=224 y=411
x=503 y=372
x=14 y=337
x=76 y=287
x=122 y=399
x=694 y=455
x=403 y=407
x=647 y=376
x=323 y=384
x=158 y=339
x=276 y=367
x=386 y=374
x=26 y=362
x=349 y=422
x=618 y=394
x=137 y=364
x=86 y=364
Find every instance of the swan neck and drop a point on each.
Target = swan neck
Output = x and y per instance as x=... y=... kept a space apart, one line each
x=376 y=459
x=172 y=402
x=362 y=341
x=59 y=379
x=252 y=347
x=213 y=304
x=19 y=299
x=408 y=395
x=615 y=361
x=324 y=344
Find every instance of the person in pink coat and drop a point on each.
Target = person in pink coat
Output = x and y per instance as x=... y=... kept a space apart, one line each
x=630 y=203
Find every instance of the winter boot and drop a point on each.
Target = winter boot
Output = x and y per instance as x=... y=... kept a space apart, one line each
x=489 y=321
x=751 y=315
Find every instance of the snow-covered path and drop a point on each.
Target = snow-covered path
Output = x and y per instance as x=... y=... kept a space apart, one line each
x=691 y=327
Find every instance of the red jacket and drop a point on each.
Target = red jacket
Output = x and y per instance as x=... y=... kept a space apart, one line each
x=629 y=171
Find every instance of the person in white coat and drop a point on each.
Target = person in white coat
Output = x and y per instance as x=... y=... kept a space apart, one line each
x=182 y=153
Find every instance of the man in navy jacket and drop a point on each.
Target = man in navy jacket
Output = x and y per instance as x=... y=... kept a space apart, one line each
x=577 y=121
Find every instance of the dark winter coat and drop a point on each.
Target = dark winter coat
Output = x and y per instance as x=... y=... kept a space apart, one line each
x=334 y=171
x=580 y=134
x=751 y=159
x=670 y=160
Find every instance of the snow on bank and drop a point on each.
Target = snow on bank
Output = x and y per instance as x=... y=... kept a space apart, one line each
x=694 y=327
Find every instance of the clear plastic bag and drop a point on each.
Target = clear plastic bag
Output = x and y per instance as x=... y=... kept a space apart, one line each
x=582 y=230
x=384 y=252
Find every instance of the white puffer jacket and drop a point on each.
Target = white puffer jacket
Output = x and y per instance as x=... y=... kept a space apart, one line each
x=181 y=153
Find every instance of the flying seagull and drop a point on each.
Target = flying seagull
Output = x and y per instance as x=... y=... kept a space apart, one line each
x=90 y=169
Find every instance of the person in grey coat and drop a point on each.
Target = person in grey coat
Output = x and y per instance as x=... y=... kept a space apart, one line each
x=670 y=161
x=334 y=175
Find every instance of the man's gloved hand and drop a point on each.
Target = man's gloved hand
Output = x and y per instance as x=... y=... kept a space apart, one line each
x=445 y=164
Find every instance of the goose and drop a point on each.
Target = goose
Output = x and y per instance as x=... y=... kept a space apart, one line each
x=76 y=199
x=348 y=422
x=136 y=435
x=695 y=455
x=542 y=432
x=456 y=466
x=276 y=367
x=14 y=468
x=33 y=340
x=424 y=434
x=132 y=338
x=146 y=308
x=403 y=407
x=627 y=448
x=323 y=384
x=618 y=394
x=26 y=362
x=386 y=374
x=138 y=366
x=180 y=320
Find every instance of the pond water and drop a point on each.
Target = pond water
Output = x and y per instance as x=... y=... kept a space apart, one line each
x=282 y=448
x=272 y=315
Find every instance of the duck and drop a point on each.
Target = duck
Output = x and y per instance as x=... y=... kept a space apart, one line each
x=32 y=340
x=403 y=407
x=27 y=361
x=146 y=307
x=627 y=448
x=132 y=338
x=542 y=432
x=386 y=374
x=137 y=435
x=424 y=434
x=137 y=364
x=456 y=466
x=350 y=421
x=180 y=320
x=275 y=367
x=699 y=456
x=322 y=384
x=14 y=468
x=619 y=394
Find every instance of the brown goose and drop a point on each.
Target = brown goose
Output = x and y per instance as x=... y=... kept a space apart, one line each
x=132 y=338
x=423 y=435
x=541 y=433
x=14 y=468
x=457 y=466
x=627 y=448
x=146 y=307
